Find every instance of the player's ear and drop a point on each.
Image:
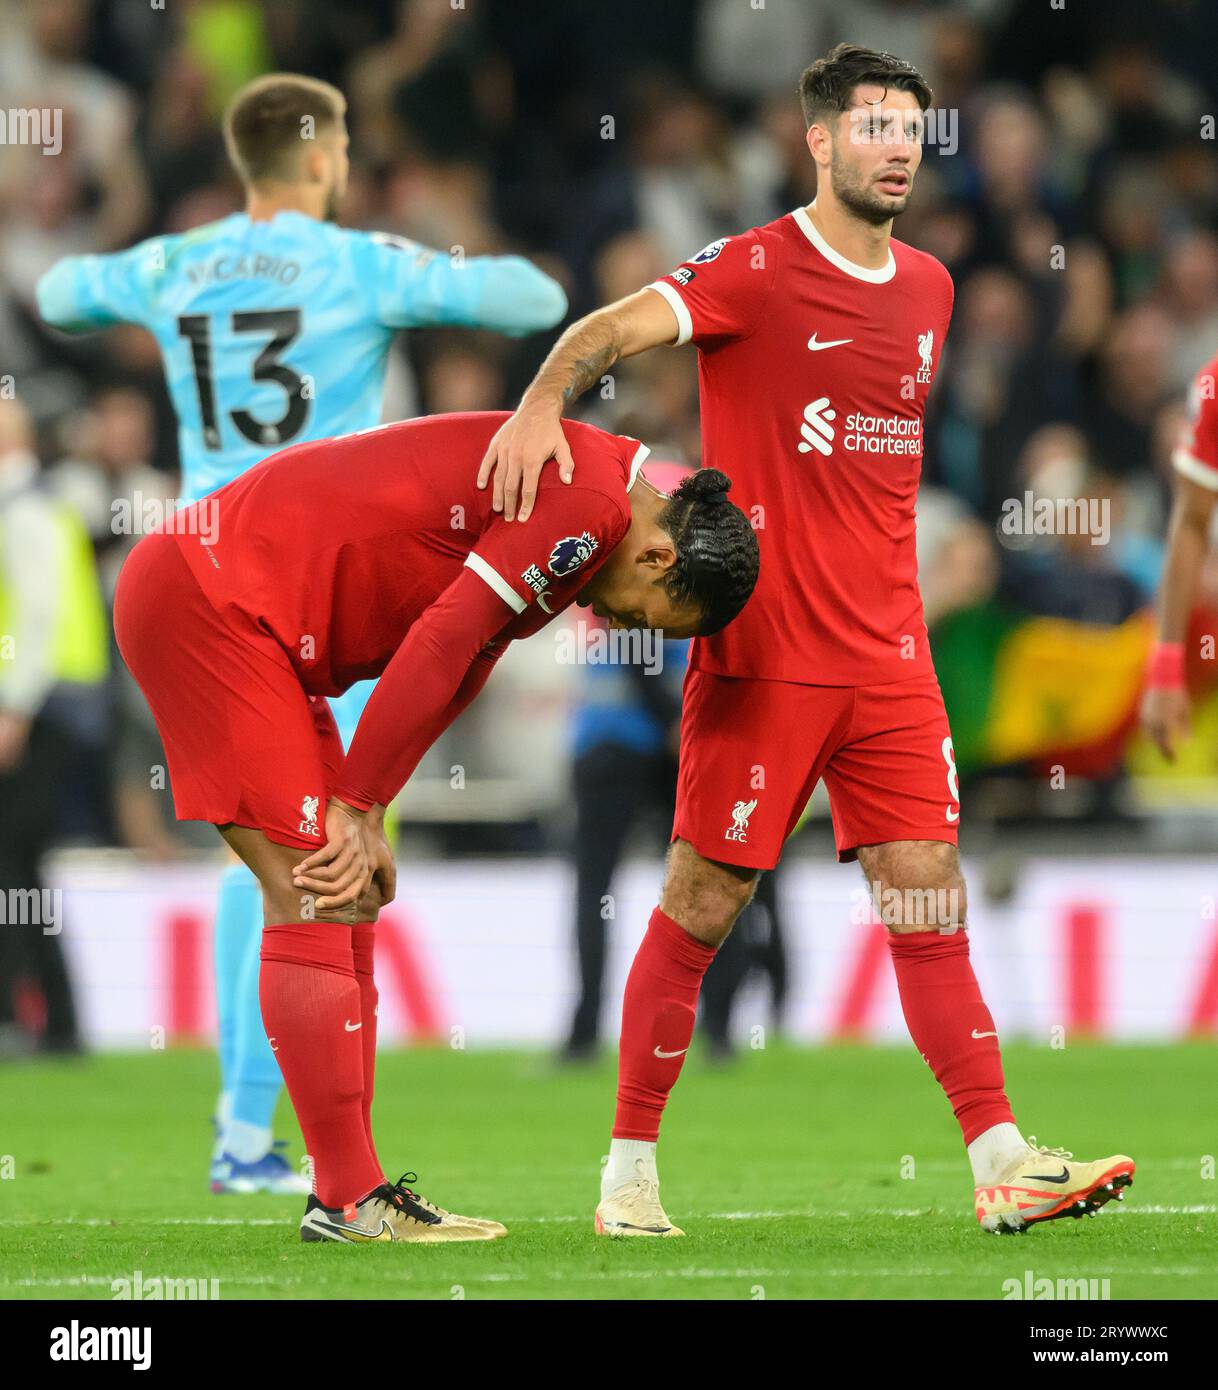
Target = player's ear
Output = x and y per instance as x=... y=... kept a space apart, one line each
x=316 y=163
x=658 y=558
x=819 y=141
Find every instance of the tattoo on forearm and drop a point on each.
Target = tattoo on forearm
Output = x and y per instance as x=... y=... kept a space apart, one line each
x=580 y=358
x=588 y=370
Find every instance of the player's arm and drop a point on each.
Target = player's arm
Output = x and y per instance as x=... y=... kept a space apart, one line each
x=416 y=287
x=446 y=657
x=584 y=353
x=1165 y=704
x=443 y=662
x=82 y=293
x=426 y=732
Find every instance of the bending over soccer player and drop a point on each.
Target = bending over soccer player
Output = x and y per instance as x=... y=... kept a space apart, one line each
x=275 y=326
x=818 y=337
x=332 y=562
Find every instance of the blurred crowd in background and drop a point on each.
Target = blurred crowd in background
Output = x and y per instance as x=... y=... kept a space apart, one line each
x=1078 y=215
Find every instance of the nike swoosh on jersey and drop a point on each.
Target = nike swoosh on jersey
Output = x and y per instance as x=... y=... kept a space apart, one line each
x=353 y=1027
x=681 y=1053
x=952 y=816
x=814 y=346
x=976 y=1034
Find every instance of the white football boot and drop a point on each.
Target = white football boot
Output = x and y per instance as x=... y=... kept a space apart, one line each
x=634 y=1209
x=1045 y=1184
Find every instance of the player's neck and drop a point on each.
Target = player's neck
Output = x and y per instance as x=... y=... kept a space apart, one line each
x=647 y=502
x=864 y=243
x=262 y=204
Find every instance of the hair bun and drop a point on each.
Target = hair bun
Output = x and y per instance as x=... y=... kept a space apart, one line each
x=705 y=485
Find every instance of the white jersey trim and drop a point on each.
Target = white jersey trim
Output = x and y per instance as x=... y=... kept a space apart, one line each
x=860 y=272
x=1194 y=470
x=496 y=581
x=685 y=325
x=640 y=458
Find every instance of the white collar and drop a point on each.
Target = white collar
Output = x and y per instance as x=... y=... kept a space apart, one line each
x=860 y=272
x=640 y=457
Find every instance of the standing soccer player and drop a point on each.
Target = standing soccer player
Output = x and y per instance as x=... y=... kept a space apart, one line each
x=1165 y=715
x=275 y=327
x=818 y=339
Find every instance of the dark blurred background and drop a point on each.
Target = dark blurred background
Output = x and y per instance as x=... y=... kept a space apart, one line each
x=1078 y=215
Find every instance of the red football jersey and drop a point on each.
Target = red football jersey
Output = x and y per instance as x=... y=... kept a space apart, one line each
x=813 y=376
x=1197 y=454
x=337 y=546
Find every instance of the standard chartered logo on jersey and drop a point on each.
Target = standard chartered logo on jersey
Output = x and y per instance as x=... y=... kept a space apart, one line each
x=817 y=428
x=862 y=434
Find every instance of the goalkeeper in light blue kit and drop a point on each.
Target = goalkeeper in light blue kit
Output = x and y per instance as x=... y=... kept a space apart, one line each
x=274 y=326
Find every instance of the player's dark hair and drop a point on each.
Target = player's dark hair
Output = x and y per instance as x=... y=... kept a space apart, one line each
x=717 y=554
x=270 y=118
x=827 y=86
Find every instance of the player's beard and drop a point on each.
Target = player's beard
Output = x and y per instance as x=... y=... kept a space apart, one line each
x=853 y=192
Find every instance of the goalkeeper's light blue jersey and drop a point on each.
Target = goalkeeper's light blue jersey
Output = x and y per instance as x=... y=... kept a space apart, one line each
x=277 y=332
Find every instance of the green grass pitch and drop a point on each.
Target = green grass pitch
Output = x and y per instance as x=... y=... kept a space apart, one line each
x=788 y=1171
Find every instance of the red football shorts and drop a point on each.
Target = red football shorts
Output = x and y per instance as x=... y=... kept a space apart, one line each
x=244 y=741
x=752 y=752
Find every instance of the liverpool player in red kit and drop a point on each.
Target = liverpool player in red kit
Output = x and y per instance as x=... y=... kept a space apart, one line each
x=375 y=555
x=818 y=339
x=1165 y=705
x=1165 y=712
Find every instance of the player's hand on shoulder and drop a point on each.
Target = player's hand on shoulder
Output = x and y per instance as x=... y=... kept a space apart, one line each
x=341 y=871
x=1165 y=718
x=521 y=448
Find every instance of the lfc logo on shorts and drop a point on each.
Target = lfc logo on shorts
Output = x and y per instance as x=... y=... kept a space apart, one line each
x=738 y=831
x=308 y=811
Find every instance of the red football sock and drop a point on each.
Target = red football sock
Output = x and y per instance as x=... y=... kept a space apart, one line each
x=658 y=1013
x=310 y=999
x=363 y=938
x=945 y=1012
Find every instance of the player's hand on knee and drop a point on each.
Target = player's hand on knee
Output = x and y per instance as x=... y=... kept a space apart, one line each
x=384 y=866
x=341 y=871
